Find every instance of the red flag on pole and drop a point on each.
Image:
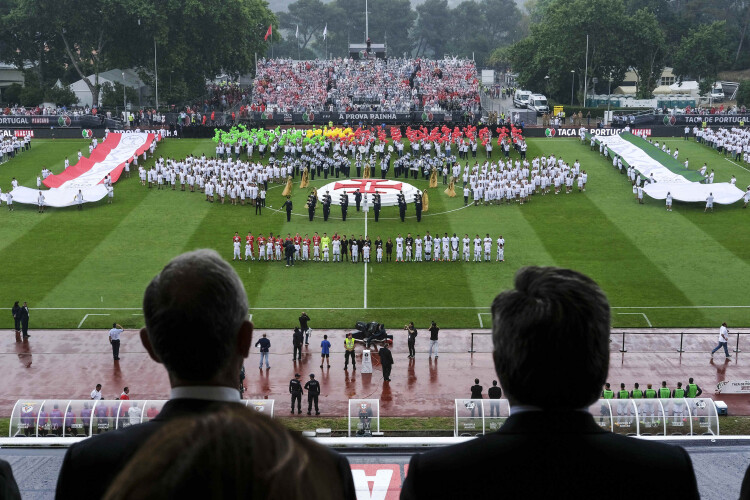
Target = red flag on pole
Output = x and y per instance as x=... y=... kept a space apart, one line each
x=269 y=32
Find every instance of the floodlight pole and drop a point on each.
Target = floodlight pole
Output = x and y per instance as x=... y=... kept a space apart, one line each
x=156 y=77
x=367 y=23
x=124 y=103
x=572 y=84
x=586 y=73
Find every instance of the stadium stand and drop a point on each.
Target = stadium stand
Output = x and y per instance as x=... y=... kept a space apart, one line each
x=392 y=85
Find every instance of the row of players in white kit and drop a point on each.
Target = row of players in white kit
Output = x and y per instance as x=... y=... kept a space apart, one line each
x=272 y=249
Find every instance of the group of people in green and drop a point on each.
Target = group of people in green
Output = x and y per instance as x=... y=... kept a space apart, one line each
x=664 y=392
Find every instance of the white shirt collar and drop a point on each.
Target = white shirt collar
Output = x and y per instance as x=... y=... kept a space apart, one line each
x=207 y=392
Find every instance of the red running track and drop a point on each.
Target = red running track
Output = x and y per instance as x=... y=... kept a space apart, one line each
x=68 y=364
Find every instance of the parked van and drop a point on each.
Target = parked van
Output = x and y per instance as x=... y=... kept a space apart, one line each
x=717 y=93
x=538 y=103
x=521 y=98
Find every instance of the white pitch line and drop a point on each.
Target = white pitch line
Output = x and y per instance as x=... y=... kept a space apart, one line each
x=359 y=308
x=644 y=315
x=365 y=262
x=682 y=307
x=481 y=324
x=90 y=314
x=743 y=168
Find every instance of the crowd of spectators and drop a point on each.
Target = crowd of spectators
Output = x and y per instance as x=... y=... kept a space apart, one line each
x=224 y=95
x=17 y=110
x=287 y=85
x=383 y=85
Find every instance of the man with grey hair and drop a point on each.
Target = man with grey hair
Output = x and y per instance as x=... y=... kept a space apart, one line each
x=551 y=352
x=197 y=326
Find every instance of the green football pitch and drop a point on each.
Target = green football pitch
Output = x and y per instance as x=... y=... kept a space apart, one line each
x=89 y=268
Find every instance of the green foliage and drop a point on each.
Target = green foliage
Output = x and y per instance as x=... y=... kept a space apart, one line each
x=743 y=93
x=702 y=52
x=112 y=95
x=12 y=94
x=193 y=39
x=60 y=96
x=646 y=46
x=557 y=45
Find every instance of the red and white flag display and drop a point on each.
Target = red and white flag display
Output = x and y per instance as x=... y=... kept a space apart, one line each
x=109 y=158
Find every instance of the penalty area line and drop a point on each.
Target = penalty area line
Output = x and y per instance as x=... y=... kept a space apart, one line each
x=644 y=316
x=90 y=314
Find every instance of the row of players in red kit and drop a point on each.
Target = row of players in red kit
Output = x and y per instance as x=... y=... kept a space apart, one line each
x=271 y=247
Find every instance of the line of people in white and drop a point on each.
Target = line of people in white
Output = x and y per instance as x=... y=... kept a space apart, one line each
x=418 y=249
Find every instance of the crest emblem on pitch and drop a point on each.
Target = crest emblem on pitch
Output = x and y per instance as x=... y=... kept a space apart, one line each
x=387 y=188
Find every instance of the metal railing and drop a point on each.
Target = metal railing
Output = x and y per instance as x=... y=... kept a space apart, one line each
x=621 y=335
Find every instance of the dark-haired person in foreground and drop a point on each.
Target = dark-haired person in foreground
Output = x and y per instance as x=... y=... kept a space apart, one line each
x=8 y=486
x=553 y=326
x=230 y=454
x=197 y=327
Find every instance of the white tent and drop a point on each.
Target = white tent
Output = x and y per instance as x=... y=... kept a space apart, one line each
x=130 y=79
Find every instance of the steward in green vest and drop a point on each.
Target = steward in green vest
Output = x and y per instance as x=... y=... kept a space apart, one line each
x=623 y=394
x=650 y=393
x=636 y=393
x=664 y=391
x=608 y=393
x=679 y=392
x=742 y=123
x=693 y=391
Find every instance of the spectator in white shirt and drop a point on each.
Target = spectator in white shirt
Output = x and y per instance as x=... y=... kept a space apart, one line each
x=96 y=394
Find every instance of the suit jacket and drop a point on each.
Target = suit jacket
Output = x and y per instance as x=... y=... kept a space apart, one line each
x=745 y=491
x=8 y=486
x=90 y=466
x=552 y=455
x=386 y=358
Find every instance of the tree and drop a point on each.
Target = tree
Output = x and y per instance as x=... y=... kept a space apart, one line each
x=309 y=15
x=62 y=96
x=112 y=95
x=193 y=39
x=646 y=46
x=701 y=54
x=390 y=22
x=433 y=22
x=743 y=93
x=557 y=45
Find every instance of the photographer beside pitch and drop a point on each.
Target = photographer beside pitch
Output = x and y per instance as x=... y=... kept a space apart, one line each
x=554 y=325
x=197 y=327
